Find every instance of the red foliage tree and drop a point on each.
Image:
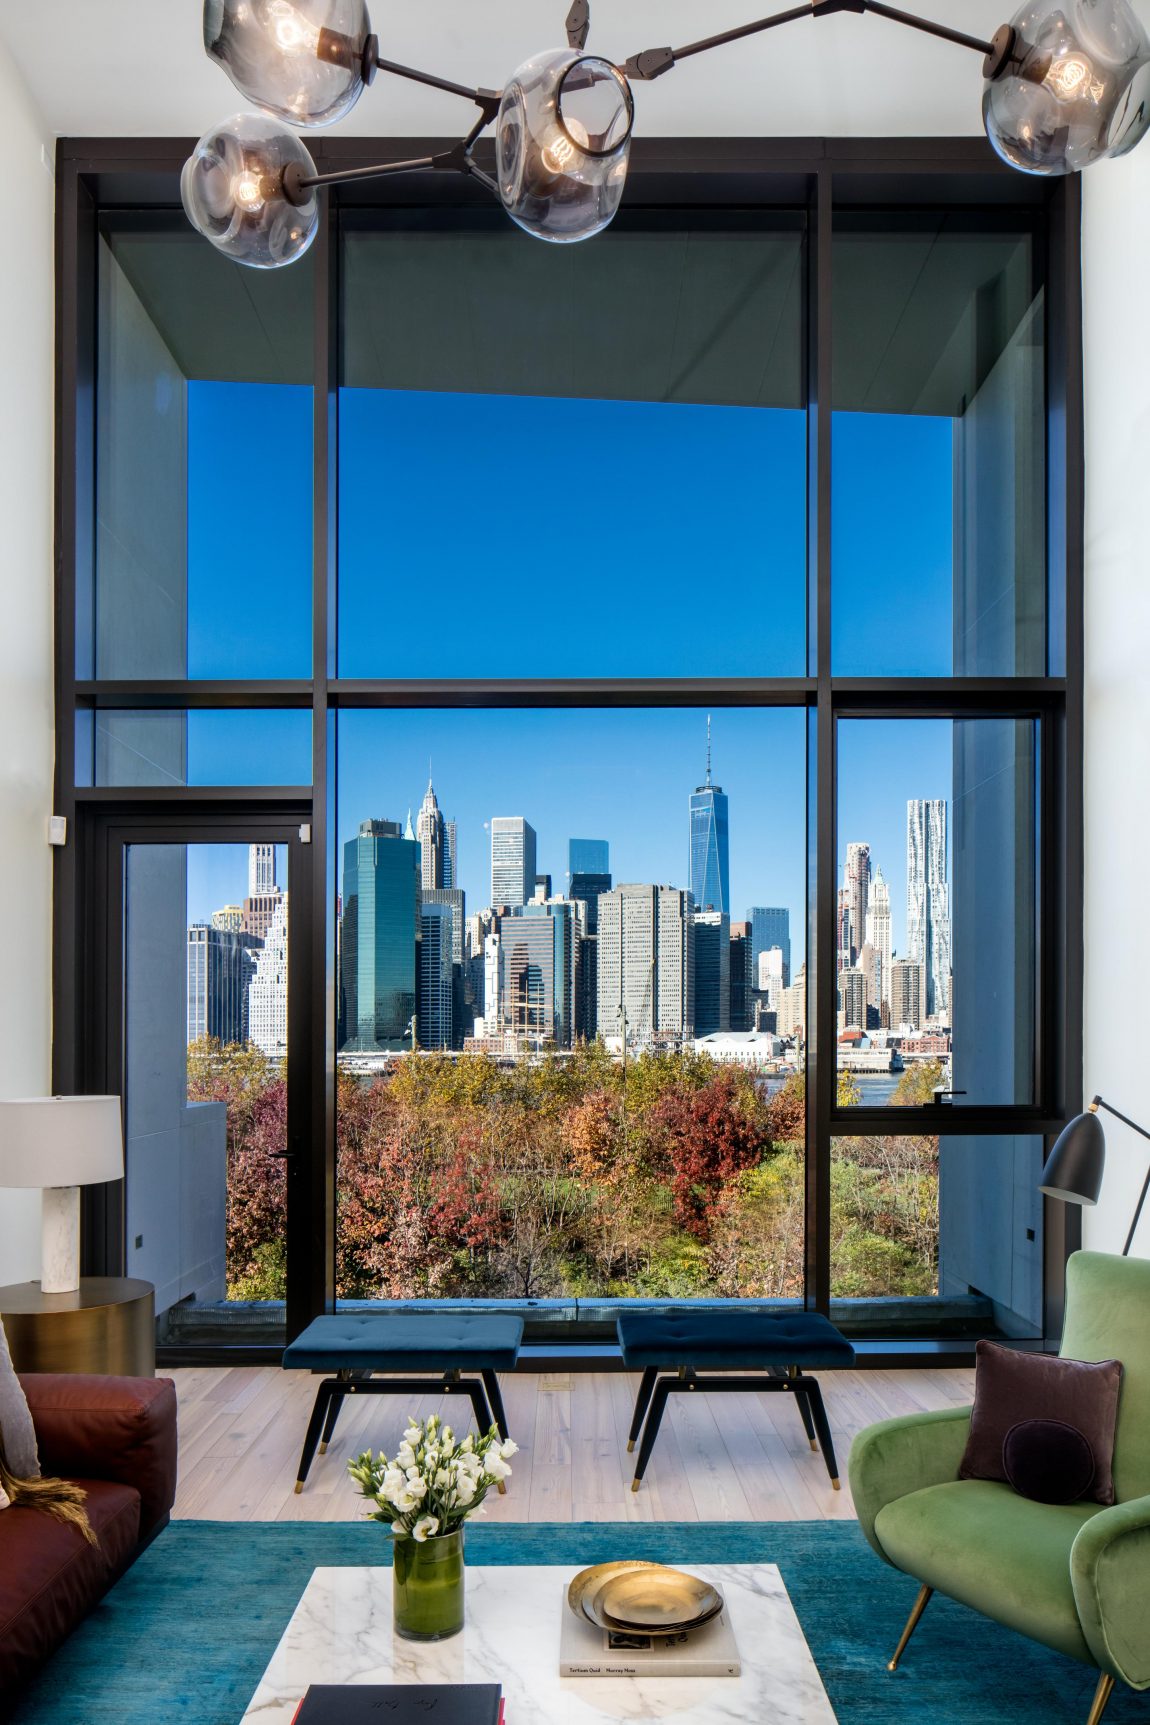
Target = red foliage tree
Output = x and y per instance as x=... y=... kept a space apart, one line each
x=707 y=1136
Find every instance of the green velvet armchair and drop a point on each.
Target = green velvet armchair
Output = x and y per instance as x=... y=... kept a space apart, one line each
x=1075 y=1577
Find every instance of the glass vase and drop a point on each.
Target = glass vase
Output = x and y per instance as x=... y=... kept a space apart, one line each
x=428 y=1587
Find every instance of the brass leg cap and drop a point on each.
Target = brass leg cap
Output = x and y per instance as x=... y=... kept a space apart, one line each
x=814 y=1445
x=298 y=1486
x=502 y=1489
x=892 y=1665
x=634 y=1485
x=630 y=1445
x=835 y=1484
x=323 y=1449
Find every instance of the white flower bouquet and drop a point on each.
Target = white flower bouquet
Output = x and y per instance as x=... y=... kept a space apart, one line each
x=434 y=1483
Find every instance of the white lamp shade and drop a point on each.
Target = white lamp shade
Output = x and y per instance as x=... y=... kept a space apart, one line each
x=61 y=1141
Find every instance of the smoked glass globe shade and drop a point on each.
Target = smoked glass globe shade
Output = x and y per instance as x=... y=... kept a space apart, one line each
x=301 y=60
x=1075 y=89
x=232 y=188
x=562 y=139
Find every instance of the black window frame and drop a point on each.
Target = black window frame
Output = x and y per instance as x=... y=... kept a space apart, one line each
x=815 y=177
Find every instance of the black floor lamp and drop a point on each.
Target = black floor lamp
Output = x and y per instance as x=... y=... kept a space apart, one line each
x=1075 y=1166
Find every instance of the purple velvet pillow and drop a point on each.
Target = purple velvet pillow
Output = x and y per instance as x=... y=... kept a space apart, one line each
x=1048 y=1461
x=1010 y=1388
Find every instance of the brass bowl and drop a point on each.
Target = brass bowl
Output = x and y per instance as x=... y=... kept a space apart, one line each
x=590 y=1580
x=644 y=1598
x=659 y=1602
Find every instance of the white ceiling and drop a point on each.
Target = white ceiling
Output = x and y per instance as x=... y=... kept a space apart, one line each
x=137 y=67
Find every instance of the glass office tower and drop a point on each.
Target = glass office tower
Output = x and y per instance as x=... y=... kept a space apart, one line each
x=710 y=848
x=378 y=948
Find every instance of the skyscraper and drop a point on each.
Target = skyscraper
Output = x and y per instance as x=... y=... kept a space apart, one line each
x=264 y=895
x=221 y=964
x=770 y=926
x=646 y=971
x=843 y=929
x=852 y=999
x=742 y=982
x=379 y=931
x=268 y=994
x=588 y=856
x=450 y=857
x=878 y=937
x=261 y=870
x=432 y=836
x=858 y=895
x=456 y=901
x=906 y=994
x=512 y=861
x=538 y=973
x=710 y=936
x=434 y=1022
x=710 y=851
x=928 y=900
x=589 y=877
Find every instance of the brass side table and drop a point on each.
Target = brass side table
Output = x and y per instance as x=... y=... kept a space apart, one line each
x=108 y=1325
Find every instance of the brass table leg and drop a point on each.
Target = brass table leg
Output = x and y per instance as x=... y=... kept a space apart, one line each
x=920 y=1606
x=1101 y=1696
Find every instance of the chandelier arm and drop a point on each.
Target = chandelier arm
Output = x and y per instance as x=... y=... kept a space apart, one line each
x=927 y=25
x=578 y=24
x=347 y=176
x=653 y=62
x=485 y=98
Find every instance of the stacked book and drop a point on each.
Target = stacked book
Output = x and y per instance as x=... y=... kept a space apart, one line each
x=401 y=1704
x=640 y=1619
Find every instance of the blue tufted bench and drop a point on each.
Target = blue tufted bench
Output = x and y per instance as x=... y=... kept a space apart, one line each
x=670 y=1347
x=439 y=1346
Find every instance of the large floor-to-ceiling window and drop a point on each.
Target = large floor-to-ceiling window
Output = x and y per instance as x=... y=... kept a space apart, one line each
x=573 y=752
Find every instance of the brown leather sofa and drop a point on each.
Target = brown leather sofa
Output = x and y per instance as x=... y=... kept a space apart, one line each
x=117 y=1438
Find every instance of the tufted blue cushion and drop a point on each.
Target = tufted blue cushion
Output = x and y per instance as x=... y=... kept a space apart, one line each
x=731 y=1341
x=384 y=1342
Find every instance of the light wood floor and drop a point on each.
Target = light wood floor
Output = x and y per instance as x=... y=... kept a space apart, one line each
x=720 y=1458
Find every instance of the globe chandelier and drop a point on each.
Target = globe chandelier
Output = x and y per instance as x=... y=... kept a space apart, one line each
x=1065 y=84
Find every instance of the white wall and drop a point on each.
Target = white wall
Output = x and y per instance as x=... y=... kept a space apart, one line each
x=815 y=78
x=26 y=203
x=1116 y=257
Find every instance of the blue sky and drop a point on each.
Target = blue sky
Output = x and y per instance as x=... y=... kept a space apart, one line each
x=574 y=538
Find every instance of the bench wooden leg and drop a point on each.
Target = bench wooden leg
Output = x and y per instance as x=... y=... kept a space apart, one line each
x=331 y=1389
x=642 y=1403
x=651 y=1430
x=808 y=1422
x=334 y=1406
x=809 y=1388
x=491 y=1385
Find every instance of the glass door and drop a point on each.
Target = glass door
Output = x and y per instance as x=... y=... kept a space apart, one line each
x=206 y=993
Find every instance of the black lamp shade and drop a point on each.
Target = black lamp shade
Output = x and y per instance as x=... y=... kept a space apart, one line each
x=1074 y=1168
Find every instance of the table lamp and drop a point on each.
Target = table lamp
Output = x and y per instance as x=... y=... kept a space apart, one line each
x=1075 y=1166
x=60 y=1143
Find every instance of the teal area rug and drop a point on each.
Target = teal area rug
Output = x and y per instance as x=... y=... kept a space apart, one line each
x=184 y=1637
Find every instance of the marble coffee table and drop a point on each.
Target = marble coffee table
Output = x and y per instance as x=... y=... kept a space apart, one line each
x=341 y=1632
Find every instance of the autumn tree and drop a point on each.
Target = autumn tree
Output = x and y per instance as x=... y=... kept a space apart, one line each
x=708 y=1135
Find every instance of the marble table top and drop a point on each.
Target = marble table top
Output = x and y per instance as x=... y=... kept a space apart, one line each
x=341 y=1632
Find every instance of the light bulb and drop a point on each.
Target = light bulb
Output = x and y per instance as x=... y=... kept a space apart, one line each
x=247 y=190
x=559 y=154
x=234 y=194
x=1073 y=88
x=292 y=31
x=1073 y=76
x=562 y=140
x=300 y=60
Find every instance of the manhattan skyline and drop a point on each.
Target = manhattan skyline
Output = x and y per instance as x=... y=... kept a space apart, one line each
x=626 y=777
